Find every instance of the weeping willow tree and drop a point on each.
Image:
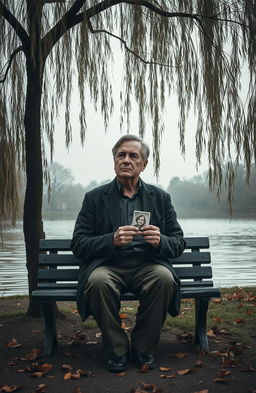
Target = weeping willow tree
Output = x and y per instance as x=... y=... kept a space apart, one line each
x=197 y=50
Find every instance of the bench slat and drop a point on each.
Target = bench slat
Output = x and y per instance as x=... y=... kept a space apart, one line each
x=64 y=244
x=73 y=285
x=195 y=272
x=71 y=260
x=70 y=294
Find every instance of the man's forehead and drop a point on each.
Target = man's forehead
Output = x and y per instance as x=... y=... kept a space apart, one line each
x=130 y=146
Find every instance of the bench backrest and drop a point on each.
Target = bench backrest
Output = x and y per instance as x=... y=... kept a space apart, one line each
x=58 y=267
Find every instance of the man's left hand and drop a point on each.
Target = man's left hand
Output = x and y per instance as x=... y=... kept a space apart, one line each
x=151 y=234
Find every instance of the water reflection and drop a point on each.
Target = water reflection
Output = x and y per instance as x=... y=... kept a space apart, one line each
x=232 y=248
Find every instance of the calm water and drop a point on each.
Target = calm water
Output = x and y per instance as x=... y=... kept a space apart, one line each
x=233 y=249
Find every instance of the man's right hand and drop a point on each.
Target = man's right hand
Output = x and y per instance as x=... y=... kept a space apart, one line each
x=124 y=235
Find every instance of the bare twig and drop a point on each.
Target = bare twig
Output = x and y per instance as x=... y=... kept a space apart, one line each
x=8 y=64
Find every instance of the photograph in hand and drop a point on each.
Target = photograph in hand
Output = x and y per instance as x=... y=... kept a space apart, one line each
x=140 y=218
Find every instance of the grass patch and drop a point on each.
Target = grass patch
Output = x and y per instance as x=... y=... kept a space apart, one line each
x=11 y=314
x=90 y=323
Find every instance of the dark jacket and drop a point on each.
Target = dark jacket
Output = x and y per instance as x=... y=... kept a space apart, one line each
x=99 y=218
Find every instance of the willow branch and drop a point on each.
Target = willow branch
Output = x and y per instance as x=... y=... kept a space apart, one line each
x=71 y=18
x=92 y=30
x=9 y=63
x=15 y=24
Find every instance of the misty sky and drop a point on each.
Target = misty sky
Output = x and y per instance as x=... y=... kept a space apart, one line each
x=94 y=161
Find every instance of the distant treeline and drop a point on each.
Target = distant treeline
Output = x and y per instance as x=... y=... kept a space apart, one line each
x=191 y=197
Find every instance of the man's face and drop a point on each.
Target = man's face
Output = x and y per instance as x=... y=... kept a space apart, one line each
x=128 y=161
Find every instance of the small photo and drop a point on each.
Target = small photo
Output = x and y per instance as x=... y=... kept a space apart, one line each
x=140 y=218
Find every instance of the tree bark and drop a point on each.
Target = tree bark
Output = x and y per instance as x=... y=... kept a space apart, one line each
x=32 y=217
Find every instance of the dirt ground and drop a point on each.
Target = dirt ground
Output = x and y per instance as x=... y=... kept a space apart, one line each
x=180 y=367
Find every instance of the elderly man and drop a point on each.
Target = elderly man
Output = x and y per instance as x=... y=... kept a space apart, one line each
x=117 y=256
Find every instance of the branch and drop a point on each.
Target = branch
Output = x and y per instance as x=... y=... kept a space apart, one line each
x=71 y=18
x=9 y=63
x=11 y=19
x=92 y=30
x=64 y=24
x=169 y=14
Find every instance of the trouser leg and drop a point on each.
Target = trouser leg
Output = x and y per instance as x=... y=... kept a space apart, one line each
x=156 y=286
x=103 y=295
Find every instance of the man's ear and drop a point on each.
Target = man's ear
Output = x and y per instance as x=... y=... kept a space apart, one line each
x=145 y=163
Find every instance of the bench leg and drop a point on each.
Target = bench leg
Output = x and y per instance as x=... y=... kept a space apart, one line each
x=50 y=333
x=201 y=307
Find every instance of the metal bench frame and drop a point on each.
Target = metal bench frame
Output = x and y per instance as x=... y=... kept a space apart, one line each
x=58 y=274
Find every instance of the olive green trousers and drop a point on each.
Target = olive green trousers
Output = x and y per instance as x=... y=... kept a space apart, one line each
x=153 y=283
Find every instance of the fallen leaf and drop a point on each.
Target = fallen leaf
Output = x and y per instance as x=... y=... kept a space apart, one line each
x=121 y=374
x=217 y=300
x=148 y=386
x=86 y=373
x=166 y=376
x=75 y=375
x=45 y=367
x=68 y=376
x=239 y=320
x=181 y=355
x=41 y=388
x=184 y=372
x=97 y=335
x=37 y=374
x=220 y=380
x=203 y=391
x=66 y=367
x=12 y=344
x=92 y=342
x=211 y=333
x=151 y=387
x=218 y=319
x=199 y=363
x=165 y=368
x=224 y=373
x=32 y=355
x=8 y=388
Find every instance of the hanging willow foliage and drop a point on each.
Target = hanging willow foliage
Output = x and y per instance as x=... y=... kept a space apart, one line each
x=198 y=50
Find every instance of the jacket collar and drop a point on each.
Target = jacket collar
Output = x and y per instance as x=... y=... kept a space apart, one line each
x=111 y=199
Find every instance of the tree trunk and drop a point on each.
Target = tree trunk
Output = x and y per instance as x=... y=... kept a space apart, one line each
x=32 y=217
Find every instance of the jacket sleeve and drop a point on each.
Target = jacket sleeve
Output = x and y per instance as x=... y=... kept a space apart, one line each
x=172 y=243
x=85 y=244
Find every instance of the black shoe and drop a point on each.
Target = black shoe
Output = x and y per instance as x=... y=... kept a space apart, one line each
x=143 y=359
x=118 y=364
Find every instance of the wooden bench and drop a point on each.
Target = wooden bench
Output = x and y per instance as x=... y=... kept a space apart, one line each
x=58 y=274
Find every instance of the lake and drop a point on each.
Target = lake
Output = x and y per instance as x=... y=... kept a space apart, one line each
x=233 y=249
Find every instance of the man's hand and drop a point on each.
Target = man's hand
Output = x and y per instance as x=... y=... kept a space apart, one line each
x=124 y=235
x=151 y=234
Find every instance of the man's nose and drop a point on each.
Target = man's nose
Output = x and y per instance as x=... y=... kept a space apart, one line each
x=126 y=158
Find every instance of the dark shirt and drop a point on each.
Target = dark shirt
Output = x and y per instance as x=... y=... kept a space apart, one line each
x=138 y=247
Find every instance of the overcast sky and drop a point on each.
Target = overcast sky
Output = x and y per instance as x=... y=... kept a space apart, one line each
x=94 y=160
